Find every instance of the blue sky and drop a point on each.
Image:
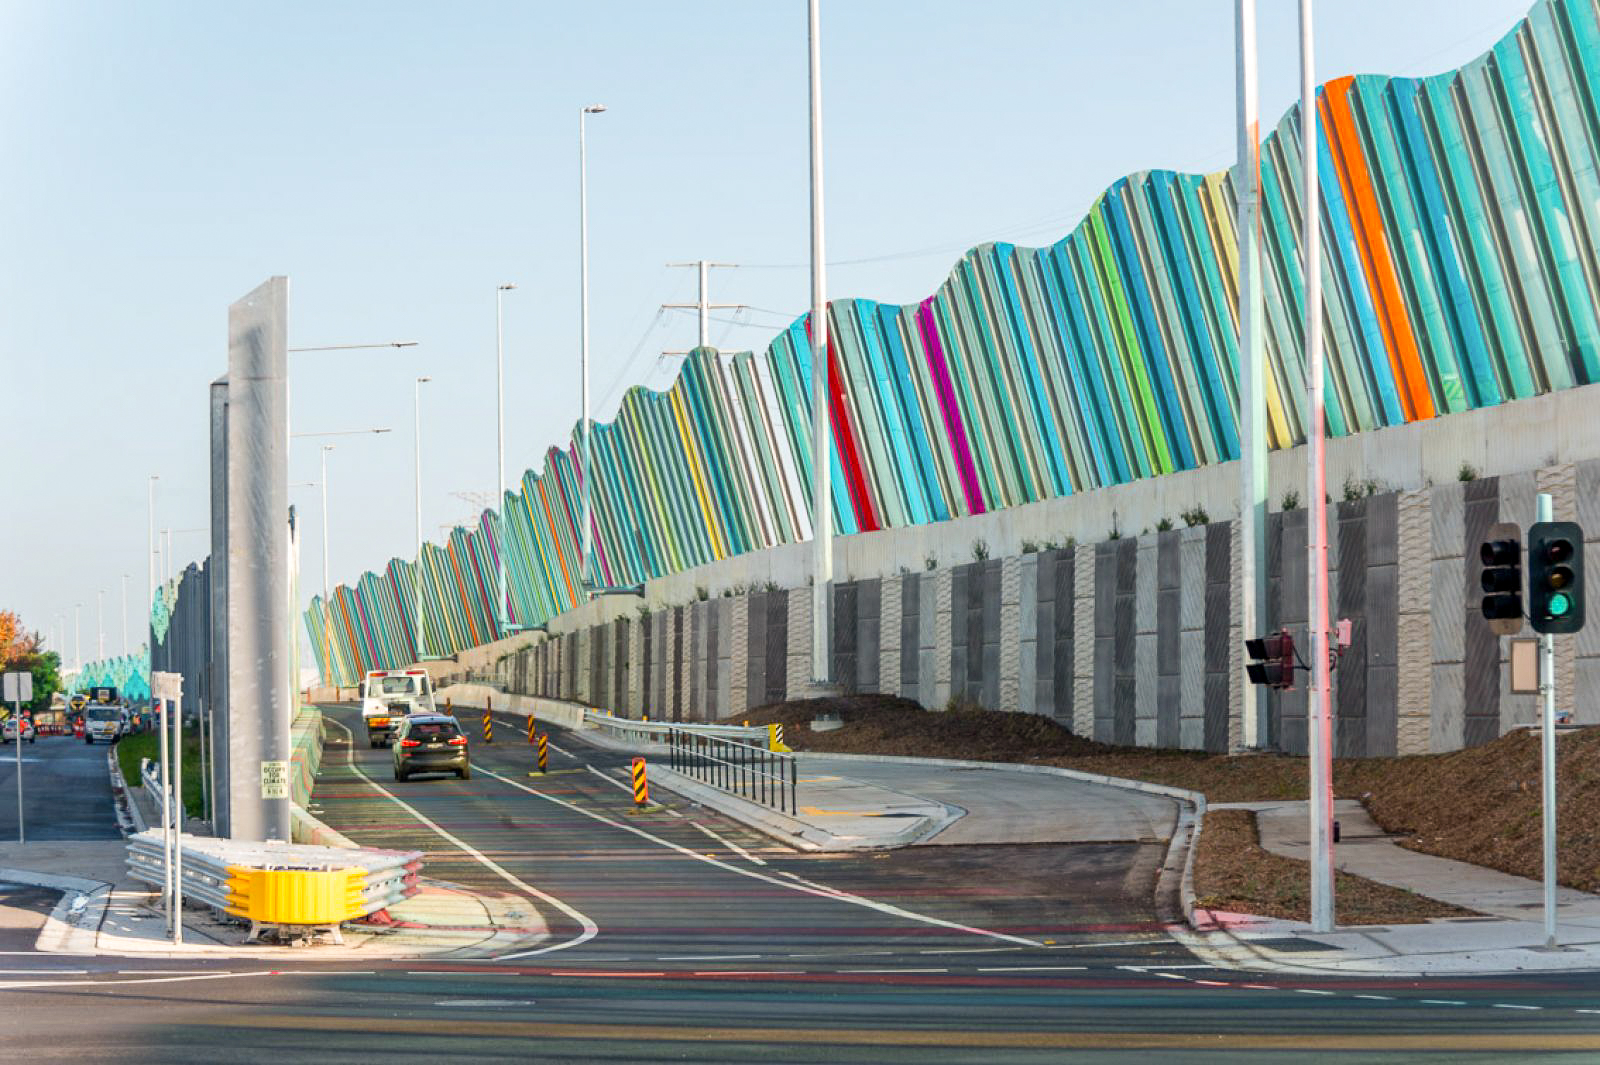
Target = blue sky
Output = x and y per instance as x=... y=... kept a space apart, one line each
x=399 y=160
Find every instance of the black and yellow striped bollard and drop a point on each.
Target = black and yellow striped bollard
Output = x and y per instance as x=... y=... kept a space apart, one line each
x=544 y=753
x=488 y=725
x=641 y=786
x=532 y=728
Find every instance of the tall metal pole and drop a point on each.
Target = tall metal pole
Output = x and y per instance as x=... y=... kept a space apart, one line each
x=821 y=498
x=1547 y=754
x=124 y=615
x=177 y=815
x=166 y=766
x=100 y=625
x=703 y=305
x=502 y=608
x=77 y=633
x=422 y=650
x=585 y=576
x=1320 y=705
x=1252 y=397
x=327 y=611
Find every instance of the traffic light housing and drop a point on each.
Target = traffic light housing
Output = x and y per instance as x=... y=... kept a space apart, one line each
x=1272 y=660
x=1501 y=580
x=1555 y=577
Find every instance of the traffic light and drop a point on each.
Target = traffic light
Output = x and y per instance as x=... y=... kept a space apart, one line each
x=1502 y=578
x=1555 y=576
x=1272 y=660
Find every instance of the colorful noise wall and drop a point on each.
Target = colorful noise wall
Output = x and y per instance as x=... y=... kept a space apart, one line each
x=129 y=674
x=1459 y=216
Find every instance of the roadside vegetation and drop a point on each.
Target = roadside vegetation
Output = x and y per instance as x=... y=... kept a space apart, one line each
x=130 y=749
x=1480 y=805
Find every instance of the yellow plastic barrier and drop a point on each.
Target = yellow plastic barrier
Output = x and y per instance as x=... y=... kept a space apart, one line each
x=295 y=896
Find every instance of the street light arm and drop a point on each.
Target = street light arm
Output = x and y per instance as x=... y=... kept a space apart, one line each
x=360 y=347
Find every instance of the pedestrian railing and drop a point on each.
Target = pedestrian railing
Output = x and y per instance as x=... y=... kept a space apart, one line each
x=752 y=772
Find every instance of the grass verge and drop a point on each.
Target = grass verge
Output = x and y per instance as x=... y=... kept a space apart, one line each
x=1233 y=872
x=130 y=749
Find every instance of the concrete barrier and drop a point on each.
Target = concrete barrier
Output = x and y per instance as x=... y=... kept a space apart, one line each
x=477 y=696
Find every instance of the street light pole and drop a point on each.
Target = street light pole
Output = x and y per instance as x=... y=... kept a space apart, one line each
x=100 y=625
x=327 y=614
x=1252 y=395
x=77 y=634
x=821 y=499
x=585 y=577
x=1319 y=707
x=501 y=606
x=125 y=615
x=166 y=765
x=422 y=651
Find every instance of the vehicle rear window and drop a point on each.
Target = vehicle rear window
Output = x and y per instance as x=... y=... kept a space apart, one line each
x=433 y=730
x=102 y=713
x=397 y=686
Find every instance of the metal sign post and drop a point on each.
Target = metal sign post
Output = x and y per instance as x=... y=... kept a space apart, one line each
x=168 y=687
x=18 y=689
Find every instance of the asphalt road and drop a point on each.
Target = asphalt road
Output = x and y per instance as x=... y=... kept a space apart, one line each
x=689 y=938
x=66 y=791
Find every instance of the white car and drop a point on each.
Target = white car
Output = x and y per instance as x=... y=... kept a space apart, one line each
x=9 y=730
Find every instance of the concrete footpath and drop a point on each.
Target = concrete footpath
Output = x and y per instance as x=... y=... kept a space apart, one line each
x=103 y=911
x=1506 y=936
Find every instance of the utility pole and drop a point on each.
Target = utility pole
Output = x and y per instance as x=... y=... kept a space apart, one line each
x=502 y=613
x=821 y=424
x=585 y=541
x=1252 y=397
x=1319 y=709
x=704 y=305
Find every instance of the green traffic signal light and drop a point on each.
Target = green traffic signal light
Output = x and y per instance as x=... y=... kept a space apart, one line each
x=1559 y=605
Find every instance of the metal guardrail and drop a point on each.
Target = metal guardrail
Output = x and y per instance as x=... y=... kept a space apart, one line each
x=284 y=885
x=755 y=773
x=658 y=731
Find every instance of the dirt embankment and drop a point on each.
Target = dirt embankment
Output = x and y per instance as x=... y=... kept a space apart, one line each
x=1480 y=805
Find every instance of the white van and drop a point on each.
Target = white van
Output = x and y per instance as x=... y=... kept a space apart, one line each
x=388 y=695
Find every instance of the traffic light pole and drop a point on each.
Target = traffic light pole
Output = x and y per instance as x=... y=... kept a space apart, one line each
x=1547 y=687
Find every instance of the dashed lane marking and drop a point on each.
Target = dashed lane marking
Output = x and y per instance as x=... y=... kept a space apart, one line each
x=1032 y=968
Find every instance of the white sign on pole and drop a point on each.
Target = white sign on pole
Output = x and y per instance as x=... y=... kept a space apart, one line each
x=18 y=687
x=166 y=685
x=274 y=780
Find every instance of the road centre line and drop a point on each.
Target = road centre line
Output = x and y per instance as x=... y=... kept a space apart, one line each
x=893 y=970
x=803 y=886
x=589 y=928
x=1039 y=969
x=1512 y=1006
x=707 y=957
x=732 y=846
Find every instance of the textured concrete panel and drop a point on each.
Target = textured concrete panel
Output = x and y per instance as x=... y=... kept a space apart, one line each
x=1586 y=699
x=1383 y=529
x=889 y=623
x=1192 y=673
x=1215 y=733
x=1481 y=695
x=1447 y=725
x=1192 y=578
x=910 y=637
x=1169 y=694
x=1026 y=679
x=1191 y=733
x=1447 y=514
x=1383 y=616
x=1144 y=732
x=1382 y=735
x=869 y=604
x=1144 y=672
x=1449 y=585
x=1084 y=578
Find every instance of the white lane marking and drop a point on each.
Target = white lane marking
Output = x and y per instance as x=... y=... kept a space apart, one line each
x=1586 y=1011
x=1032 y=968
x=806 y=887
x=971 y=950
x=485 y=1003
x=1269 y=987
x=1169 y=976
x=15 y=985
x=1512 y=1006
x=626 y=787
x=732 y=846
x=1165 y=968
x=749 y=972
x=1119 y=943
x=1213 y=983
x=1376 y=998
x=707 y=957
x=1440 y=1002
x=589 y=928
x=1310 y=991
